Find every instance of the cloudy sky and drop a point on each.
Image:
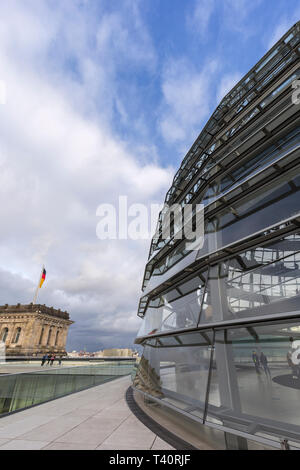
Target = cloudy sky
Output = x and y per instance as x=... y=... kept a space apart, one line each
x=104 y=98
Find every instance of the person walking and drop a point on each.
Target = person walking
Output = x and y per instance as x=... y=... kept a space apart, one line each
x=255 y=359
x=264 y=362
x=60 y=359
x=44 y=359
x=292 y=365
x=52 y=359
x=48 y=358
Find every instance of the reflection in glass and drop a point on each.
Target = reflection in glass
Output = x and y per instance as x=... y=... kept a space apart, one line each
x=22 y=390
x=223 y=183
x=262 y=281
x=176 y=374
x=263 y=390
x=173 y=310
x=239 y=172
x=267 y=206
x=244 y=167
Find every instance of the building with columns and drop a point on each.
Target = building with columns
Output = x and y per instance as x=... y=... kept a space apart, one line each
x=32 y=329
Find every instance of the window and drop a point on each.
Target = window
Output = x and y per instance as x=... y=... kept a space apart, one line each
x=17 y=336
x=261 y=281
x=176 y=309
x=222 y=226
x=56 y=337
x=176 y=372
x=246 y=378
x=5 y=333
x=49 y=336
x=255 y=379
x=276 y=201
x=41 y=337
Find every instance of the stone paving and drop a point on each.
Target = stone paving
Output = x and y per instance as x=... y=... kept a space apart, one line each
x=93 y=419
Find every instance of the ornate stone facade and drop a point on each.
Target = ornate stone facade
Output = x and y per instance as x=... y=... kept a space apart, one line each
x=33 y=329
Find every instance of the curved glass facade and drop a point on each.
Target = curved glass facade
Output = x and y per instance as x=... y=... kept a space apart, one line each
x=221 y=325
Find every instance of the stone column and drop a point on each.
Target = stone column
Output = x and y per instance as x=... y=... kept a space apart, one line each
x=36 y=334
x=53 y=338
x=46 y=333
x=39 y=340
x=27 y=338
x=60 y=340
x=64 y=334
x=55 y=333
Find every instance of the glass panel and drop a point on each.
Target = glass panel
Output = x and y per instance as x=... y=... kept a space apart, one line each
x=255 y=380
x=19 y=391
x=176 y=255
x=151 y=322
x=277 y=201
x=261 y=281
x=168 y=341
x=183 y=312
x=192 y=284
x=236 y=176
x=7 y=385
x=179 y=313
x=173 y=294
x=270 y=97
x=177 y=375
x=195 y=338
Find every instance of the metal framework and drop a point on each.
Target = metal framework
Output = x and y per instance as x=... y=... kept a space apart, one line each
x=221 y=325
x=242 y=124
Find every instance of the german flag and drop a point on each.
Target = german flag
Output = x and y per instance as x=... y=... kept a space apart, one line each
x=43 y=277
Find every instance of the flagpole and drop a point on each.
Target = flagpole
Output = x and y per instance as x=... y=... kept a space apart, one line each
x=38 y=286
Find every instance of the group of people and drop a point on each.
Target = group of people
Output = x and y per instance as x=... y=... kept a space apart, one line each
x=50 y=358
x=261 y=360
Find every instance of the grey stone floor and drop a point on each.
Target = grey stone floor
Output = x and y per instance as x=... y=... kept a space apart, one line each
x=94 y=419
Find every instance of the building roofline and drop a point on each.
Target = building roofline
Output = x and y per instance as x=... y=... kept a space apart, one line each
x=34 y=308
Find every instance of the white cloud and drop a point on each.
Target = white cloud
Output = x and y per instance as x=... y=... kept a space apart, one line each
x=286 y=22
x=198 y=20
x=187 y=100
x=59 y=159
x=227 y=82
x=236 y=14
x=116 y=41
